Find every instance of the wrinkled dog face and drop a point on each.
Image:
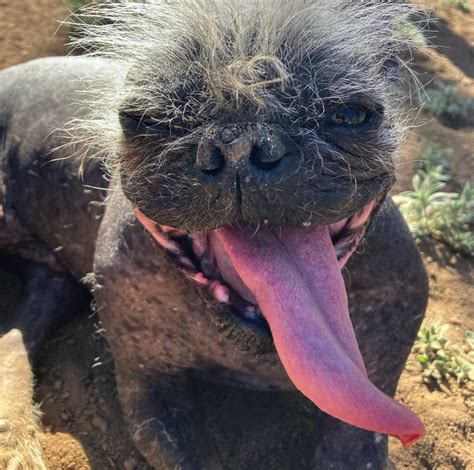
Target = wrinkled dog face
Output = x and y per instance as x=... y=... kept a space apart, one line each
x=236 y=116
x=282 y=113
x=269 y=114
x=276 y=114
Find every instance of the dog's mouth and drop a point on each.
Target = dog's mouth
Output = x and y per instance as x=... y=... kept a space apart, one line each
x=203 y=259
x=288 y=282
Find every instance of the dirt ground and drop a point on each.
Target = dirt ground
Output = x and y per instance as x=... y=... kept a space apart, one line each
x=75 y=381
x=31 y=29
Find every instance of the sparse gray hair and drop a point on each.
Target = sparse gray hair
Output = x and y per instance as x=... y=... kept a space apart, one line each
x=262 y=56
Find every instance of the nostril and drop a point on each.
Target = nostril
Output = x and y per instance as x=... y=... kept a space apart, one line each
x=212 y=161
x=262 y=159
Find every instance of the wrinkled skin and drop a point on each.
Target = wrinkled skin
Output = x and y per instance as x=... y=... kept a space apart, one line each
x=195 y=387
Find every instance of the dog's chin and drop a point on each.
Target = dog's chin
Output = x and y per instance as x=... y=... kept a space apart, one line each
x=202 y=258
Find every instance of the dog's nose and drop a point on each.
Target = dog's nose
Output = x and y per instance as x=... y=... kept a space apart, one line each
x=268 y=156
x=261 y=150
x=210 y=159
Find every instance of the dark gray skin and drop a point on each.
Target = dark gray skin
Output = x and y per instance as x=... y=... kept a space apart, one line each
x=198 y=390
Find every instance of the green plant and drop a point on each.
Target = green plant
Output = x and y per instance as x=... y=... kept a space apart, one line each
x=413 y=32
x=441 y=359
x=433 y=155
x=74 y=5
x=462 y=5
x=443 y=100
x=433 y=213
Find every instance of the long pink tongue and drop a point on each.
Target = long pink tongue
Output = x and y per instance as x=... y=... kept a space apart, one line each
x=295 y=279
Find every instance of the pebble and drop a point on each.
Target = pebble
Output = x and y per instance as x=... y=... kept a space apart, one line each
x=130 y=464
x=64 y=416
x=4 y=425
x=100 y=423
x=58 y=384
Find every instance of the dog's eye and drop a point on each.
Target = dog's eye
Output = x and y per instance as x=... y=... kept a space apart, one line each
x=350 y=115
x=143 y=124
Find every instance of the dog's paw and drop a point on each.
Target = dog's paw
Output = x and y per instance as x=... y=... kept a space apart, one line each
x=20 y=425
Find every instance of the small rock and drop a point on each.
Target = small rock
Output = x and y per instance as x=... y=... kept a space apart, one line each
x=100 y=423
x=58 y=384
x=64 y=416
x=130 y=464
x=4 y=425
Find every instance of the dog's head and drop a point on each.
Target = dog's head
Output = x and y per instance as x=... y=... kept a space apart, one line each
x=256 y=140
x=276 y=114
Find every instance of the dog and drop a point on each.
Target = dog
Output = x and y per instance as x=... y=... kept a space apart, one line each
x=217 y=172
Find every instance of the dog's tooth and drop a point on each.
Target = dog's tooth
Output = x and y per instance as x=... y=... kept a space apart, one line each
x=221 y=292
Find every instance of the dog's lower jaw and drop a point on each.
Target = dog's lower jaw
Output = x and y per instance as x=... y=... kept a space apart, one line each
x=193 y=252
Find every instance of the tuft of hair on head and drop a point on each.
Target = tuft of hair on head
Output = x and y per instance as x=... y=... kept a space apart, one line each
x=194 y=61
